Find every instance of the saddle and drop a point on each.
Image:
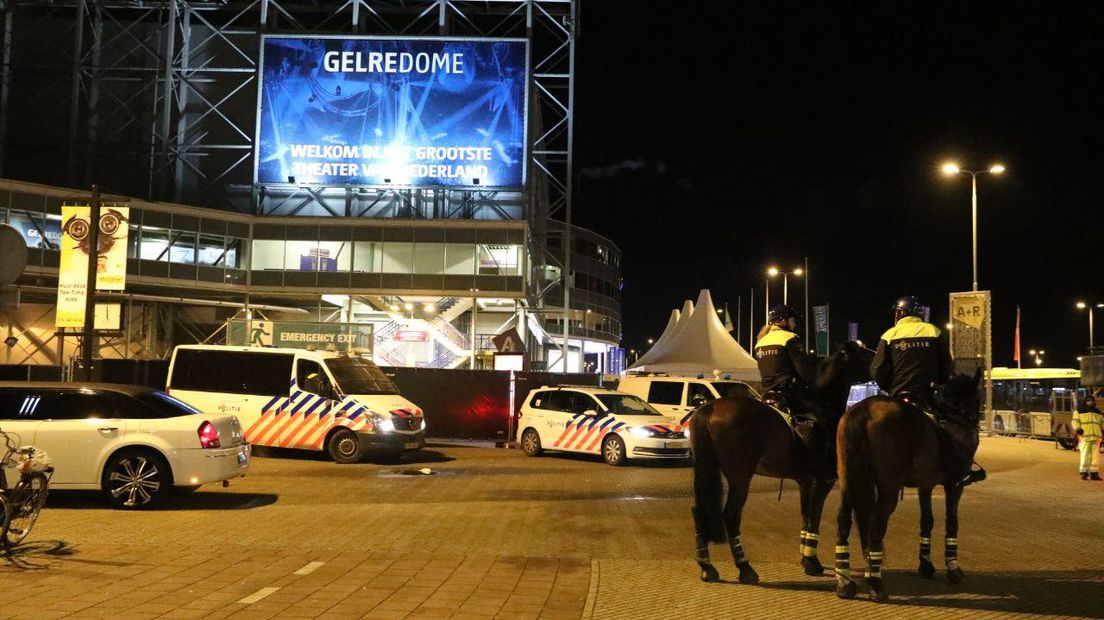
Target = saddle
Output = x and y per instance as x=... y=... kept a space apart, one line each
x=777 y=401
x=803 y=429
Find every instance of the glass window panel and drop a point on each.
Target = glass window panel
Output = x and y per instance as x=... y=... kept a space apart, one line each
x=460 y=259
x=155 y=244
x=183 y=248
x=301 y=256
x=133 y=237
x=235 y=253
x=398 y=257
x=499 y=260
x=366 y=256
x=211 y=250
x=268 y=254
x=429 y=258
x=334 y=255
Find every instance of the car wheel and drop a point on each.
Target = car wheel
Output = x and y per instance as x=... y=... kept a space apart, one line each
x=344 y=447
x=613 y=451
x=531 y=443
x=136 y=479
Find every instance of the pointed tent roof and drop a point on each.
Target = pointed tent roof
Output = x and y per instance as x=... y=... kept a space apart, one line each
x=700 y=344
x=672 y=327
x=668 y=334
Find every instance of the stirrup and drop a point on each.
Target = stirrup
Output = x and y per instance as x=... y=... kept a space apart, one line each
x=975 y=475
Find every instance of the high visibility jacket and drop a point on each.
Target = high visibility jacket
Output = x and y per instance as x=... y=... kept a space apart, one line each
x=783 y=363
x=1090 y=421
x=911 y=356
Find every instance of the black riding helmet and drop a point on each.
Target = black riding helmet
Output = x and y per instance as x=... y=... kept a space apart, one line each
x=907 y=305
x=780 y=313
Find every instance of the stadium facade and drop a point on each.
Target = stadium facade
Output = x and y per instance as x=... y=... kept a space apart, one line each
x=199 y=116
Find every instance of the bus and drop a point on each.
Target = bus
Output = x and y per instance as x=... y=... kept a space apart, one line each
x=1037 y=402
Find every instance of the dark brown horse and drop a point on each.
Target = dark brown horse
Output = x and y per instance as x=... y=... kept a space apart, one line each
x=884 y=445
x=740 y=437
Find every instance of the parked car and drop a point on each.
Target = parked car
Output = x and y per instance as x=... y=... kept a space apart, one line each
x=677 y=397
x=595 y=420
x=295 y=398
x=132 y=443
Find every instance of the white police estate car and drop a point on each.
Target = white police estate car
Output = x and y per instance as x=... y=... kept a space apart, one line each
x=594 y=420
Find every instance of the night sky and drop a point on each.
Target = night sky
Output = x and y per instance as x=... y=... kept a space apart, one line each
x=713 y=140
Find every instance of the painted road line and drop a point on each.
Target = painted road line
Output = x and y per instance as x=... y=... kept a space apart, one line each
x=309 y=568
x=258 y=595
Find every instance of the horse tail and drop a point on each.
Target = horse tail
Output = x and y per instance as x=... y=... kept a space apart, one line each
x=707 y=478
x=856 y=470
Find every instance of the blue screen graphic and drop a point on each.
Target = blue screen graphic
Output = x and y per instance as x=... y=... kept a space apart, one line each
x=368 y=111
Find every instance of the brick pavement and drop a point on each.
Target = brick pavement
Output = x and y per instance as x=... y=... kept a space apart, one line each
x=496 y=534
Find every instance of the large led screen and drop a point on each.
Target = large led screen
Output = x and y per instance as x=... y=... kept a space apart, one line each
x=392 y=111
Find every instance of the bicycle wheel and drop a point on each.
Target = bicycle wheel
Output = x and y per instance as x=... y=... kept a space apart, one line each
x=5 y=518
x=26 y=501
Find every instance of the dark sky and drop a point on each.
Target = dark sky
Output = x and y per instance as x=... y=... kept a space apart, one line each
x=713 y=140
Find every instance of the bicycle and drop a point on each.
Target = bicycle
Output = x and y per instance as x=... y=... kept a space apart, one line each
x=21 y=504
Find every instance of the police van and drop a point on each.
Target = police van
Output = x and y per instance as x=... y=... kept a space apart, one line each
x=678 y=397
x=598 y=421
x=292 y=398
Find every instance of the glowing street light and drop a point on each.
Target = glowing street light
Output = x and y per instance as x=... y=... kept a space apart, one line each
x=1084 y=306
x=951 y=168
x=796 y=272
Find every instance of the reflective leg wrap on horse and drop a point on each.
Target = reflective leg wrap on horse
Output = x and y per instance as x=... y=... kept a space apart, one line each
x=950 y=553
x=802 y=549
x=874 y=565
x=843 y=564
x=701 y=538
x=809 y=547
x=747 y=573
x=925 y=549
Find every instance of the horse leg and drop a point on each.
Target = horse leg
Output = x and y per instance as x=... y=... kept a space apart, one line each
x=845 y=587
x=950 y=549
x=927 y=521
x=807 y=487
x=701 y=537
x=809 y=559
x=733 y=514
x=883 y=508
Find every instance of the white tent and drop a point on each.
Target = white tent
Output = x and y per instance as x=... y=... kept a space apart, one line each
x=700 y=344
x=668 y=332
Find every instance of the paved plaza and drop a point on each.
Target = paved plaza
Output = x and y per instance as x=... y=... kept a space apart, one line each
x=493 y=534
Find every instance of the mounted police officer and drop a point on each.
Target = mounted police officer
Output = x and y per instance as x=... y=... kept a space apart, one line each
x=788 y=370
x=912 y=360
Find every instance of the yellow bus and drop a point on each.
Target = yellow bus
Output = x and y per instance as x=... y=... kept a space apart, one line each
x=1037 y=402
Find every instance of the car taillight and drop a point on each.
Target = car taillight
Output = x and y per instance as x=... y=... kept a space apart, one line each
x=208 y=436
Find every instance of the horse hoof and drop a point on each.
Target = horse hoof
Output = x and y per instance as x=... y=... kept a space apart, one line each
x=812 y=566
x=846 y=590
x=926 y=569
x=748 y=575
x=709 y=574
x=956 y=575
x=877 y=592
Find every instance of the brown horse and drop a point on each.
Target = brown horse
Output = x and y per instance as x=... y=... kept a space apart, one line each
x=740 y=437
x=883 y=445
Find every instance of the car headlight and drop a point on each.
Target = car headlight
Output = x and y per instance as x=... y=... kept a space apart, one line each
x=382 y=424
x=640 y=431
x=686 y=433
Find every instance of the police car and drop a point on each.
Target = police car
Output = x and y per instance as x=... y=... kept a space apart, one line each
x=593 y=420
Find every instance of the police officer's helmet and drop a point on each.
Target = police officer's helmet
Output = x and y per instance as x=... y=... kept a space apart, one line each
x=780 y=313
x=907 y=306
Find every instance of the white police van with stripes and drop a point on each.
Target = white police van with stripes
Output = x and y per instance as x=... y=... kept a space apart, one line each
x=293 y=398
x=594 y=420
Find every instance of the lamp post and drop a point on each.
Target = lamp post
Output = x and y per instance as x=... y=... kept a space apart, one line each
x=797 y=272
x=1089 y=307
x=1038 y=355
x=951 y=168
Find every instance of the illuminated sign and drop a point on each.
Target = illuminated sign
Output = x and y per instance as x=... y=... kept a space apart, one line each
x=392 y=111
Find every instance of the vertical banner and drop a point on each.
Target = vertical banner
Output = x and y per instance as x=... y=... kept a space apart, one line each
x=971 y=337
x=852 y=331
x=820 y=325
x=75 y=250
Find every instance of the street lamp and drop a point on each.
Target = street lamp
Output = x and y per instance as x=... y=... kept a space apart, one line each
x=1038 y=355
x=951 y=168
x=796 y=272
x=1084 y=306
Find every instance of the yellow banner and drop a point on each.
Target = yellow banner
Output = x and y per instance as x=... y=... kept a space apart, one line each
x=75 y=250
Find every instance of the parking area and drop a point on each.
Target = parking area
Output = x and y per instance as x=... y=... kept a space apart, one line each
x=491 y=533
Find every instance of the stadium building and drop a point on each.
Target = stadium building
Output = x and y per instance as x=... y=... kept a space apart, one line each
x=397 y=172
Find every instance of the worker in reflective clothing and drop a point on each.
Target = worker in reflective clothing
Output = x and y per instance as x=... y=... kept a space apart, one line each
x=788 y=370
x=1087 y=423
x=911 y=362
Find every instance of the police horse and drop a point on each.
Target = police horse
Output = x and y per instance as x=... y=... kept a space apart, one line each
x=884 y=444
x=739 y=437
